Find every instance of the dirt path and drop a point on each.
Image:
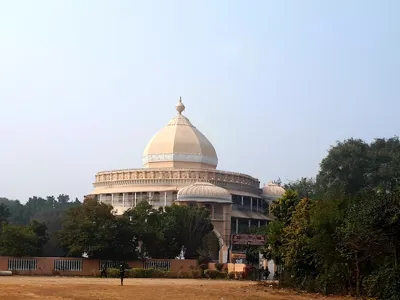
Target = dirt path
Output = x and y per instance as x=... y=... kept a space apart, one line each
x=62 y=288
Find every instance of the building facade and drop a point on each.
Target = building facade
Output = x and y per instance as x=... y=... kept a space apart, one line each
x=179 y=165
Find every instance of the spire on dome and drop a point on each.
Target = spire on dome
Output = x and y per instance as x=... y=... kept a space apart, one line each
x=180 y=107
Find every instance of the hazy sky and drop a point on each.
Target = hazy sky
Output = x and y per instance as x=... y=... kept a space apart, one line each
x=84 y=84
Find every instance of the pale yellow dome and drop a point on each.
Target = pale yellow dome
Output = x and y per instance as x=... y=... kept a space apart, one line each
x=204 y=192
x=179 y=145
x=273 y=190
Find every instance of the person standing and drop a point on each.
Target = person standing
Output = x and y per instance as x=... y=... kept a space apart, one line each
x=122 y=273
x=103 y=270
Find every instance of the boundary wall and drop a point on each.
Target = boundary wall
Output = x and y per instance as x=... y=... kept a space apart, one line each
x=78 y=266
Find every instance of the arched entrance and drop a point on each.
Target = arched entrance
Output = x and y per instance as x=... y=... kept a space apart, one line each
x=212 y=245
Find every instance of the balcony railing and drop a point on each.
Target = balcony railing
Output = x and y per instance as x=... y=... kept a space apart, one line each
x=248 y=208
x=217 y=216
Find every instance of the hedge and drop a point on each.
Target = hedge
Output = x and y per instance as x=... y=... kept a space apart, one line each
x=157 y=273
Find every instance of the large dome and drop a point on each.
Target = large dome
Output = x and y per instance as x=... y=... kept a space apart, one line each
x=204 y=192
x=179 y=145
x=273 y=190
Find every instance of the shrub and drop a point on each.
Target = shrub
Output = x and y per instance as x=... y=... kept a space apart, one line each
x=214 y=274
x=235 y=275
x=203 y=267
x=196 y=273
x=219 y=266
x=114 y=273
x=384 y=284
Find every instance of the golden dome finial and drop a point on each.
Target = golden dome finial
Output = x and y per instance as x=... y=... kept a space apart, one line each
x=180 y=107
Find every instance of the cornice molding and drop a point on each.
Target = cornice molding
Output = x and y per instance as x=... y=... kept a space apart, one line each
x=181 y=157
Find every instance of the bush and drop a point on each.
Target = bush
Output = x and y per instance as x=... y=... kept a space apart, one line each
x=219 y=266
x=196 y=273
x=235 y=275
x=384 y=284
x=214 y=274
x=203 y=267
x=139 y=273
x=157 y=273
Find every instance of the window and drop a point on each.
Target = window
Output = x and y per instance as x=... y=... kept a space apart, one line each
x=158 y=264
x=22 y=264
x=68 y=265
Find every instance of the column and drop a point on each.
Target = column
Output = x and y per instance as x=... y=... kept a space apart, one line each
x=100 y=198
x=251 y=204
x=257 y=203
x=165 y=199
x=249 y=223
x=112 y=199
x=237 y=226
x=242 y=201
x=259 y=224
x=123 y=199
x=135 y=199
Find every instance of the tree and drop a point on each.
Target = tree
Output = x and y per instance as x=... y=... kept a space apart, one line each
x=344 y=167
x=305 y=187
x=358 y=240
x=284 y=207
x=326 y=217
x=297 y=253
x=185 y=225
x=4 y=213
x=40 y=230
x=18 y=240
x=93 y=229
x=63 y=198
x=354 y=165
x=145 y=222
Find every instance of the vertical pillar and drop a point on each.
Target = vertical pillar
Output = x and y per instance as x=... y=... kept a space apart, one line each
x=259 y=224
x=165 y=199
x=251 y=204
x=237 y=226
x=135 y=199
x=123 y=199
x=112 y=200
x=257 y=204
x=249 y=223
x=100 y=198
x=242 y=201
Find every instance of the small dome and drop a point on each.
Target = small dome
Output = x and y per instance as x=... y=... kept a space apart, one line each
x=204 y=192
x=179 y=145
x=273 y=190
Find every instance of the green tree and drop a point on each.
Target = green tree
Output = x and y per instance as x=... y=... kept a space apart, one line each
x=358 y=240
x=284 y=207
x=185 y=225
x=305 y=187
x=93 y=229
x=18 y=240
x=297 y=253
x=4 y=213
x=354 y=165
x=63 y=198
x=40 y=230
x=145 y=222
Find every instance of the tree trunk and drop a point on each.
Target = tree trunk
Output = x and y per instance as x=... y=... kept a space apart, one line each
x=326 y=277
x=357 y=276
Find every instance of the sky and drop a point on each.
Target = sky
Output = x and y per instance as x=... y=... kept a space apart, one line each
x=84 y=85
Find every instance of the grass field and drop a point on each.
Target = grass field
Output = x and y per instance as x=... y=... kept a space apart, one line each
x=63 y=288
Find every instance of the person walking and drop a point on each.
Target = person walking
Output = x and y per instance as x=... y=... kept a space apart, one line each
x=103 y=270
x=122 y=273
